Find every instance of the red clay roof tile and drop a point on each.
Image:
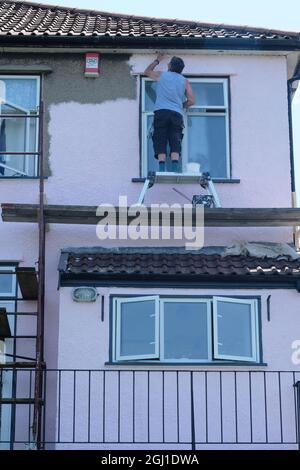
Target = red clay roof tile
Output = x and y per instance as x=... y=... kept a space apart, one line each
x=178 y=263
x=29 y=18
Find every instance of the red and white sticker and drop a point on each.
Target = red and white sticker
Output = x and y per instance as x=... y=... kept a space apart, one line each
x=92 y=63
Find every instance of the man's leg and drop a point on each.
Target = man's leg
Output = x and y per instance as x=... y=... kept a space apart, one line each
x=175 y=139
x=175 y=161
x=160 y=138
x=162 y=161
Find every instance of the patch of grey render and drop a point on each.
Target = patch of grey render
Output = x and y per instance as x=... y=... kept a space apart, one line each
x=67 y=83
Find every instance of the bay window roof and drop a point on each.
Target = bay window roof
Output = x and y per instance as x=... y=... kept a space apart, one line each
x=176 y=265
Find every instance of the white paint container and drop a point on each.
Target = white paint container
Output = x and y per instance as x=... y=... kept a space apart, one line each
x=193 y=167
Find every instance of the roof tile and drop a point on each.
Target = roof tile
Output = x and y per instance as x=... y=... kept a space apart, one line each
x=29 y=18
x=178 y=263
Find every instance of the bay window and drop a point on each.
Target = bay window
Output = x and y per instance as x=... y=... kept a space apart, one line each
x=185 y=329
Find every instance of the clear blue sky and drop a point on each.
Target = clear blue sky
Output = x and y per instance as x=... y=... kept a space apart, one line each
x=277 y=14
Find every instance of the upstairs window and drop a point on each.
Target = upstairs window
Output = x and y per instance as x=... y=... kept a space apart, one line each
x=19 y=103
x=7 y=281
x=206 y=132
x=185 y=329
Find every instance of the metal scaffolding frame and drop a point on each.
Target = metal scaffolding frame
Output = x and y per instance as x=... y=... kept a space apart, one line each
x=28 y=284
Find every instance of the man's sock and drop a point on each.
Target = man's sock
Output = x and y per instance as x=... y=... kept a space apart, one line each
x=175 y=166
x=162 y=166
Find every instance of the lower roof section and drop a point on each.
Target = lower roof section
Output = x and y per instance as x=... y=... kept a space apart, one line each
x=160 y=267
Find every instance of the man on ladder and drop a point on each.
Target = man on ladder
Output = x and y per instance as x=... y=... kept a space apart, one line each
x=173 y=94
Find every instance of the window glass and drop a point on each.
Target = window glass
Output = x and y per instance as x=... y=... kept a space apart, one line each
x=18 y=96
x=234 y=329
x=20 y=93
x=6 y=282
x=208 y=94
x=185 y=330
x=207 y=143
x=137 y=328
x=150 y=95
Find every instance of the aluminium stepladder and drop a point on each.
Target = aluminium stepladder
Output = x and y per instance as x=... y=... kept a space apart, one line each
x=211 y=199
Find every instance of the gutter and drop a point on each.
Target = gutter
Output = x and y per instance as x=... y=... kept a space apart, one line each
x=154 y=42
x=292 y=158
x=290 y=92
x=280 y=281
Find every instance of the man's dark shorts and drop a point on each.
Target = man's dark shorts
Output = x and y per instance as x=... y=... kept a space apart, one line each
x=168 y=128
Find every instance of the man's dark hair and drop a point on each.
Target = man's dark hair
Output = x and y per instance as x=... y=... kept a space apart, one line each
x=176 y=65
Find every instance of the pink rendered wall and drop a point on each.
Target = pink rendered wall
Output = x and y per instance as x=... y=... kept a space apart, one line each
x=79 y=322
x=93 y=160
x=84 y=344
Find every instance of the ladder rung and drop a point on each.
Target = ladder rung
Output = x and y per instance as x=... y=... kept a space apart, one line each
x=22 y=337
x=18 y=401
x=17 y=314
x=16 y=299
x=19 y=365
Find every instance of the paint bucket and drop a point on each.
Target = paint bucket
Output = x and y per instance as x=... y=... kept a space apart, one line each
x=193 y=167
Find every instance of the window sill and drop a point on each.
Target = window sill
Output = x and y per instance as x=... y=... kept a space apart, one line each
x=215 y=180
x=177 y=364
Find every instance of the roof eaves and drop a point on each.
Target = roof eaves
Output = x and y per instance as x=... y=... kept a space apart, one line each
x=142 y=42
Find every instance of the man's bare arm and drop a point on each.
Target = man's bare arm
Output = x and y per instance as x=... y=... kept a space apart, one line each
x=189 y=95
x=150 y=72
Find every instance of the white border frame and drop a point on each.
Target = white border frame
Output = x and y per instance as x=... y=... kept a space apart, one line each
x=37 y=78
x=145 y=114
x=208 y=303
x=254 y=329
x=117 y=329
x=144 y=117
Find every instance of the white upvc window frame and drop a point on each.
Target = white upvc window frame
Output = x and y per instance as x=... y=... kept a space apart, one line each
x=254 y=329
x=201 y=112
x=212 y=327
x=117 y=327
x=209 y=327
x=37 y=78
x=145 y=130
